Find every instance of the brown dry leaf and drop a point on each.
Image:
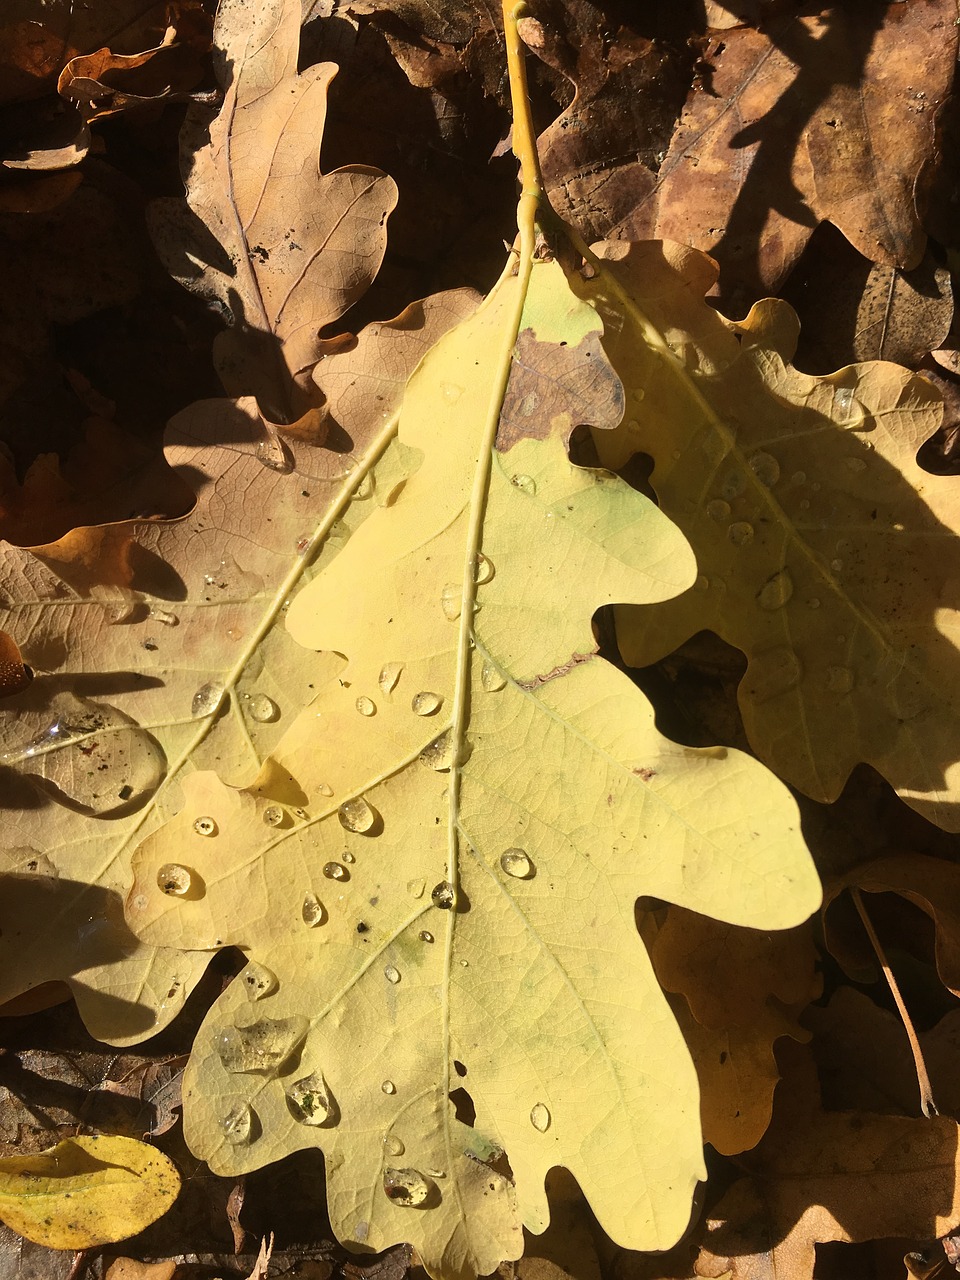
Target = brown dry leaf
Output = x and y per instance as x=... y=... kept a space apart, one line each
x=821 y=1176
x=104 y=83
x=932 y=884
x=792 y=489
x=819 y=115
x=130 y=1269
x=282 y=249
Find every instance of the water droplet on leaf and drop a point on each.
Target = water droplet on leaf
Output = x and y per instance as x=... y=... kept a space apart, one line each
x=310 y=1101
x=765 y=467
x=407 y=1188
x=490 y=678
x=451 y=391
x=312 y=911
x=525 y=483
x=206 y=699
x=425 y=703
x=416 y=887
x=840 y=679
x=347 y=856
x=439 y=754
x=392 y=974
x=540 y=1118
x=388 y=1087
x=325 y=789
x=484 y=571
x=164 y=617
x=356 y=815
x=262 y=1047
x=776 y=591
x=237 y=1124
x=262 y=709
x=740 y=533
x=366 y=706
x=444 y=896
x=205 y=826
x=451 y=601
x=516 y=863
x=334 y=871
x=389 y=675
x=393 y=1146
x=259 y=981
x=273 y=815
x=175 y=879
x=425 y=936
x=273 y=453
x=718 y=509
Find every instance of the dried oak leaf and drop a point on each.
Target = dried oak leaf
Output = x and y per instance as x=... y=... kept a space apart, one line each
x=819 y=115
x=156 y=652
x=280 y=248
x=792 y=490
x=470 y=788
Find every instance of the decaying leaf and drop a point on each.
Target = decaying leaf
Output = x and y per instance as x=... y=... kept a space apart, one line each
x=281 y=248
x=86 y=1191
x=792 y=489
x=398 y=828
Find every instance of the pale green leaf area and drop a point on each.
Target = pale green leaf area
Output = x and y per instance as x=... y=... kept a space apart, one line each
x=86 y=1191
x=434 y=874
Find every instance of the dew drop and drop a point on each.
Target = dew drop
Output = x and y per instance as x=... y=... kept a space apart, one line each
x=205 y=827
x=425 y=936
x=164 y=617
x=847 y=409
x=273 y=815
x=740 y=533
x=312 y=911
x=702 y=583
x=388 y=1087
x=804 y=504
x=855 y=464
x=334 y=871
x=484 y=570
x=839 y=679
x=310 y=1101
x=393 y=1146
x=798 y=477
x=451 y=391
x=776 y=591
x=525 y=483
x=365 y=488
x=718 y=509
x=540 y=1118
x=262 y=709
x=733 y=484
x=439 y=754
x=813 y=603
x=273 y=453
x=259 y=981
x=325 y=789
x=451 y=601
x=392 y=974
x=206 y=699
x=772 y=673
x=262 y=1047
x=366 y=706
x=491 y=681
x=516 y=863
x=348 y=857
x=356 y=815
x=389 y=675
x=237 y=1124
x=416 y=887
x=175 y=880
x=407 y=1188
x=426 y=704
x=443 y=896
x=765 y=467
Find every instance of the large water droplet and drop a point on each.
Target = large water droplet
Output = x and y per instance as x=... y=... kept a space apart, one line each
x=718 y=509
x=407 y=1188
x=237 y=1124
x=388 y=1087
x=740 y=533
x=439 y=754
x=273 y=815
x=273 y=453
x=516 y=863
x=444 y=896
x=90 y=756
x=484 y=570
x=356 y=815
x=348 y=857
x=334 y=871
x=366 y=706
x=393 y=1146
x=259 y=981
x=491 y=680
x=425 y=703
x=847 y=409
x=325 y=789
x=205 y=826
x=451 y=601
x=840 y=679
x=175 y=880
x=776 y=591
x=765 y=467
x=392 y=974
x=206 y=699
x=525 y=483
x=771 y=673
x=425 y=935
x=311 y=1102
x=164 y=617
x=312 y=911
x=389 y=675
x=416 y=887
x=540 y=1118
x=262 y=1047
x=262 y=709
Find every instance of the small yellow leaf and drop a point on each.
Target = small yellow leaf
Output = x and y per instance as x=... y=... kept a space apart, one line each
x=86 y=1192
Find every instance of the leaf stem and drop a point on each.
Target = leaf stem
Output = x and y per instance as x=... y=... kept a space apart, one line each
x=927 y=1104
x=524 y=137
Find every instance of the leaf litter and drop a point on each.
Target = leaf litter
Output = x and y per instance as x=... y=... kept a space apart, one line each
x=732 y=1045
